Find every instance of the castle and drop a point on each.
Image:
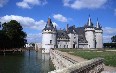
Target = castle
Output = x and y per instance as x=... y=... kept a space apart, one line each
x=87 y=36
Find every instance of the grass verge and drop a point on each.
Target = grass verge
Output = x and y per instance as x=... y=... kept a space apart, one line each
x=109 y=57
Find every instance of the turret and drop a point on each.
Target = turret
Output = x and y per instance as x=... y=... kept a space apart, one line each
x=99 y=35
x=48 y=37
x=90 y=33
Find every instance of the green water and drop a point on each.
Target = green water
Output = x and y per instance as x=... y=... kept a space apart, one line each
x=33 y=62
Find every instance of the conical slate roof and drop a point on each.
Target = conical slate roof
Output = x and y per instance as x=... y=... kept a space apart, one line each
x=98 y=27
x=89 y=23
x=49 y=25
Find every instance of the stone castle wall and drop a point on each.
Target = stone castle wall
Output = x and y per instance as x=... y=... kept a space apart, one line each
x=64 y=64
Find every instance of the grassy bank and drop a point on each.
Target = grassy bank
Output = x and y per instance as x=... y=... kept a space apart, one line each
x=109 y=57
x=51 y=66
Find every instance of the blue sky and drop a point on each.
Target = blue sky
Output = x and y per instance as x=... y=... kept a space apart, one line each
x=33 y=14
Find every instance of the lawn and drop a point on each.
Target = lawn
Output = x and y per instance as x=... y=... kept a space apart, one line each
x=109 y=57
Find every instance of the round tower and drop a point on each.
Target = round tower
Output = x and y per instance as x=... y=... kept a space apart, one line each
x=90 y=34
x=48 y=37
x=98 y=36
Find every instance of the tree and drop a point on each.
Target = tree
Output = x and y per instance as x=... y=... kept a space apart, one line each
x=3 y=40
x=33 y=44
x=113 y=38
x=14 y=32
x=109 y=45
x=0 y=24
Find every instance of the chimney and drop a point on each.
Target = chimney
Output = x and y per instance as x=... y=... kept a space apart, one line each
x=49 y=21
x=67 y=27
x=73 y=26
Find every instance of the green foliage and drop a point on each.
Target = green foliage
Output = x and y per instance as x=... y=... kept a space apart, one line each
x=33 y=44
x=3 y=40
x=12 y=34
x=113 y=38
x=109 y=45
x=51 y=65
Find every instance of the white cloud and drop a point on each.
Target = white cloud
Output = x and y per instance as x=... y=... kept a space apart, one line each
x=30 y=3
x=55 y=24
x=80 y=4
x=108 y=33
x=3 y=2
x=23 y=5
x=26 y=22
x=60 y=17
x=34 y=37
x=66 y=2
x=107 y=39
x=114 y=11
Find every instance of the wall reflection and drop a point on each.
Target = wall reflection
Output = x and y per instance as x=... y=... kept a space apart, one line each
x=27 y=62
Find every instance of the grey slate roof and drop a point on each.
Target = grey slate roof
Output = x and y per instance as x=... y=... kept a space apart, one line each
x=49 y=25
x=87 y=26
x=62 y=34
x=98 y=27
x=80 y=31
x=48 y=28
x=89 y=23
x=71 y=29
x=81 y=34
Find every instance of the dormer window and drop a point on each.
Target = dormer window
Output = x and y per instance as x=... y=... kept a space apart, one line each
x=50 y=41
x=82 y=39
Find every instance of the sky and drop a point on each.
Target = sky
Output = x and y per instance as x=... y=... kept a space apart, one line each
x=33 y=15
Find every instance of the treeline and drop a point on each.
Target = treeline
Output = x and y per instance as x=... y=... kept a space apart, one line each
x=109 y=45
x=12 y=35
x=112 y=44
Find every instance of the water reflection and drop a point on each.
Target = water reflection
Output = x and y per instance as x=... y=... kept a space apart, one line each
x=33 y=62
x=45 y=63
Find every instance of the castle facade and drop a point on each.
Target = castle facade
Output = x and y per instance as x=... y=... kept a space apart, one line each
x=88 y=36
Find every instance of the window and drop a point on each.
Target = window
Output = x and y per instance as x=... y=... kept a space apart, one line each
x=64 y=46
x=50 y=41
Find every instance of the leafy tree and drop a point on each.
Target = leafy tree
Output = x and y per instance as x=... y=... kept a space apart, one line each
x=113 y=38
x=109 y=45
x=0 y=25
x=3 y=40
x=14 y=32
x=33 y=44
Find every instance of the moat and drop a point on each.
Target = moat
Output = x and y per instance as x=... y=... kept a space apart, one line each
x=26 y=62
